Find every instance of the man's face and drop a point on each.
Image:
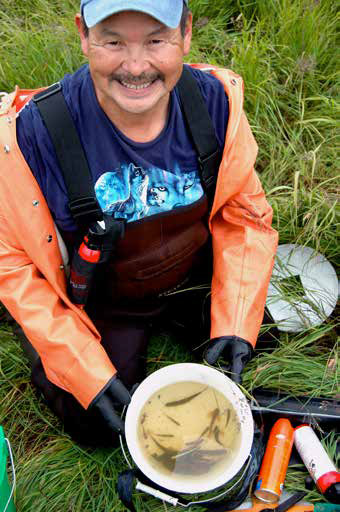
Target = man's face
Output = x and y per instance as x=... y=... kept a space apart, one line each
x=134 y=60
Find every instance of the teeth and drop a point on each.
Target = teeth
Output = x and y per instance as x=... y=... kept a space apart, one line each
x=136 y=87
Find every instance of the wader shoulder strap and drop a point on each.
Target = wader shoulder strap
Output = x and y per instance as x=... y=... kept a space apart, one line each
x=70 y=153
x=202 y=130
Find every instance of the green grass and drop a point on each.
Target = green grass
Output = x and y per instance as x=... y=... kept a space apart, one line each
x=287 y=53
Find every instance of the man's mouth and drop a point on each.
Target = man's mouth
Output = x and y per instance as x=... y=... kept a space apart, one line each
x=136 y=87
x=134 y=83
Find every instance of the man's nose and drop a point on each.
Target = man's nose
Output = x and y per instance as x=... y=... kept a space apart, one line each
x=135 y=61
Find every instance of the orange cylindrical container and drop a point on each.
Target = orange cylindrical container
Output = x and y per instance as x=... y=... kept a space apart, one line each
x=275 y=462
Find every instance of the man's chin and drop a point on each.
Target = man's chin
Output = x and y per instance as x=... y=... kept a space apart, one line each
x=137 y=107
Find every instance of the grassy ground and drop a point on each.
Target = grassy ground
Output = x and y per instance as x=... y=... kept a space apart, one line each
x=286 y=52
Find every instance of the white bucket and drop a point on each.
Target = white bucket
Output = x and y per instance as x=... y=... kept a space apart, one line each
x=186 y=372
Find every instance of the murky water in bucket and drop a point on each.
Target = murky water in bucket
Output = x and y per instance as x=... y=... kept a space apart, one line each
x=189 y=429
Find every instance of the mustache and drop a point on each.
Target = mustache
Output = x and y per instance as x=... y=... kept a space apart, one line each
x=132 y=79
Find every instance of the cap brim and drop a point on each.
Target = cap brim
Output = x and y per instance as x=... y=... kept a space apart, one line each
x=168 y=13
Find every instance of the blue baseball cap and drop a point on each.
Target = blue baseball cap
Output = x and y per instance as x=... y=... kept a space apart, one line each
x=168 y=12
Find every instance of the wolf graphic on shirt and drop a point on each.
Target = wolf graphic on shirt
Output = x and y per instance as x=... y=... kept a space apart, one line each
x=123 y=193
x=135 y=206
x=133 y=193
x=167 y=191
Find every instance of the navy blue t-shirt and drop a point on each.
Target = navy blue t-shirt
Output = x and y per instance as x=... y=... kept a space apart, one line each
x=131 y=179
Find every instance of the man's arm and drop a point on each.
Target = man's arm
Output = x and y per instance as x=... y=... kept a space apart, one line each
x=33 y=288
x=32 y=285
x=244 y=243
x=71 y=353
x=244 y=246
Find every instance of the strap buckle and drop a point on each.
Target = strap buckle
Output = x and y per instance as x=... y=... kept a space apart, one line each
x=47 y=92
x=208 y=165
x=85 y=209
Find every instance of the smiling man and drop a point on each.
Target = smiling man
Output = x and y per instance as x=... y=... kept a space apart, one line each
x=135 y=61
x=156 y=159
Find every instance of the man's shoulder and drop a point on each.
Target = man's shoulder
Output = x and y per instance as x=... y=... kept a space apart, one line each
x=207 y=82
x=29 y=120
x=217 y=77
x=72 y=83
x=69 y=83
x=215 y=98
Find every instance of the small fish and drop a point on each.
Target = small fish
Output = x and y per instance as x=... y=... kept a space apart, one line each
x=143 y=418
x=164 y=435
x=227 y=417
x=204 y=432
x=216 y=399
x=216 y=435
x=197 y=442
x=173 y=421
x=185 y=400
x=144 y=433
x=214 y=415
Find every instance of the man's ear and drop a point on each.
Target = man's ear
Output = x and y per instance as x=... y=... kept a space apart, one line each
x=187 y=34
x=83 y=34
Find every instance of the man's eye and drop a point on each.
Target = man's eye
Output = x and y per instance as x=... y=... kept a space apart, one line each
x=112 y=44
x=155 y=41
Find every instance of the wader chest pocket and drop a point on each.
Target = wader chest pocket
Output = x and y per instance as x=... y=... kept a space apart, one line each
x=160 y=268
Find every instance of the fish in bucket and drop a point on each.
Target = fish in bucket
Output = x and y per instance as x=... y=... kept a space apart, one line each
x=189 y=429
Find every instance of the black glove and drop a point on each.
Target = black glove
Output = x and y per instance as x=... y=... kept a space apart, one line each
x=113 y=394
x=235 y=350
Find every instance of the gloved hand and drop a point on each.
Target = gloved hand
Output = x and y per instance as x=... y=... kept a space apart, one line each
x=235 y=350
x=114 y=393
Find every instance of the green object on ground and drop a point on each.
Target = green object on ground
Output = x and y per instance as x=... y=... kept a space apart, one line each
x=5 y=489
x=326 y=507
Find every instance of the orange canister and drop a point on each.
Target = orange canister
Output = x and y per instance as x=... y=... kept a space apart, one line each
x=275 y=462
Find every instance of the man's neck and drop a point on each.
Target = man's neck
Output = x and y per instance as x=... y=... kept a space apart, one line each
x=143 y=127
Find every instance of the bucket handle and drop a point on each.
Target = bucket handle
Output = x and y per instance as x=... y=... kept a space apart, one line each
x=156 y=493
x=13 y=474
x=176 y=501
